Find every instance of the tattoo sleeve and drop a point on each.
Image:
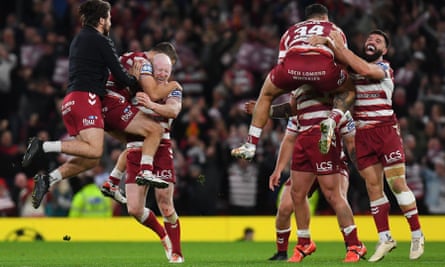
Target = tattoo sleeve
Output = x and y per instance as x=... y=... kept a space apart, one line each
x=344 y=100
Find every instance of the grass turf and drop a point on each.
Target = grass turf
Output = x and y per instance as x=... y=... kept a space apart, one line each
x=206 y=254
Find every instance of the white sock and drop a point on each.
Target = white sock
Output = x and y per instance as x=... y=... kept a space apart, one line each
x=385 y=236
x=347 y=230
x=255 y=131
x=146 y=159
x=117 y=174
x=52 y=146
x=416 y=234
x=304 y=233
x=54 y=177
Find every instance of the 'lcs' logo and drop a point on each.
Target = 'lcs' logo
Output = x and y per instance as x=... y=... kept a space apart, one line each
x=324 y=166
x=393 y=156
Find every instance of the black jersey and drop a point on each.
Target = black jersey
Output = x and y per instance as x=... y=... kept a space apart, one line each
x=92 y=56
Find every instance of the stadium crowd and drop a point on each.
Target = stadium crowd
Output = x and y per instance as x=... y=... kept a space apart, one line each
x=225 y=50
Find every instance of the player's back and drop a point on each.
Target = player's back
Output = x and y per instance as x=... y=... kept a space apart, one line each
x=127 y=60
x=297 y=36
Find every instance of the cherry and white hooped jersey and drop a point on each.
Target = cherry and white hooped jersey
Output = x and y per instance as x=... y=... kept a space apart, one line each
x=346 y=127
x=373 y=104
x=127 y=60
x=312 y=107
x=297 y=36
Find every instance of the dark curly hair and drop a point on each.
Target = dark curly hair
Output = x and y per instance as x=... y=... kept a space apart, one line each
x=92 y=11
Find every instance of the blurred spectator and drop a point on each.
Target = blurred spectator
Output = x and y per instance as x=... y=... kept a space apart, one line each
x=436 y=188
x=59 y=201
x=399 y=103
x=8 y=62
x=24 y=201
x=89 y=201
x=243 y=179
x=414 y=180
x=7 y=206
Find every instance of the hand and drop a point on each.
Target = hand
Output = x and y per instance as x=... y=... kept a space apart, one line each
x=143 y=99
x=177 y=85
x=249 y=106
x=315 y=40
x=274 y=180
x=135 y=70
x=337 y=39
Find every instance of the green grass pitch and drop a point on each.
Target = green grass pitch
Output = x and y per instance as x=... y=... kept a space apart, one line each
x=64 y=253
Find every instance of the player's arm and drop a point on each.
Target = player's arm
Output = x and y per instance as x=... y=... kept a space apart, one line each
x=286 y=149
x=284 y=156
x=157 y=91
x=347 y=131
x=278 y=111
x=359 y=65
x=113 y=63
x=170 y=109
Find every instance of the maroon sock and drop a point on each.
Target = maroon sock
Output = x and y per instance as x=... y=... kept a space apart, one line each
x=380 y=213
x=152 y=223
x=351 y=239
x=253 y=140
x=174 y=233
x=412 y=216
x=282 y=240
x=114 y=180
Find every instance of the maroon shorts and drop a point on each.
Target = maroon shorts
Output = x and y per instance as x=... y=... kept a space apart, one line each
x=163 y=167
x=379 y=144
x=319 y=71
x=306 y=156
x=81 y=110
x=117 y=113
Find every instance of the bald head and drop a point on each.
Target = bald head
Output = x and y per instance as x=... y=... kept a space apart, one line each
x=162 y=67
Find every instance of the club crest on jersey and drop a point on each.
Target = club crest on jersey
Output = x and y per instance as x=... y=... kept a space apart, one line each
x=127 y=114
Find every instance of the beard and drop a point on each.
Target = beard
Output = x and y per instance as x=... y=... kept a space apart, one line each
x=371 y=57
x=106 y=30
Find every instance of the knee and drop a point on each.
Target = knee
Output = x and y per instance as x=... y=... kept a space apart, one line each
x=166 y=209
x=134 y=211
x=285 y=210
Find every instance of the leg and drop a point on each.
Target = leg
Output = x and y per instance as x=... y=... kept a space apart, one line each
x=259 y=119
x=332 y=186
x=164 y=198
x=395 y=176
x=380 y=206
x=282 y=223
x=343 y=99
x=88 y=144
x=152 y=131
x=301 y=183
x=110 y=188
x=91 y=138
